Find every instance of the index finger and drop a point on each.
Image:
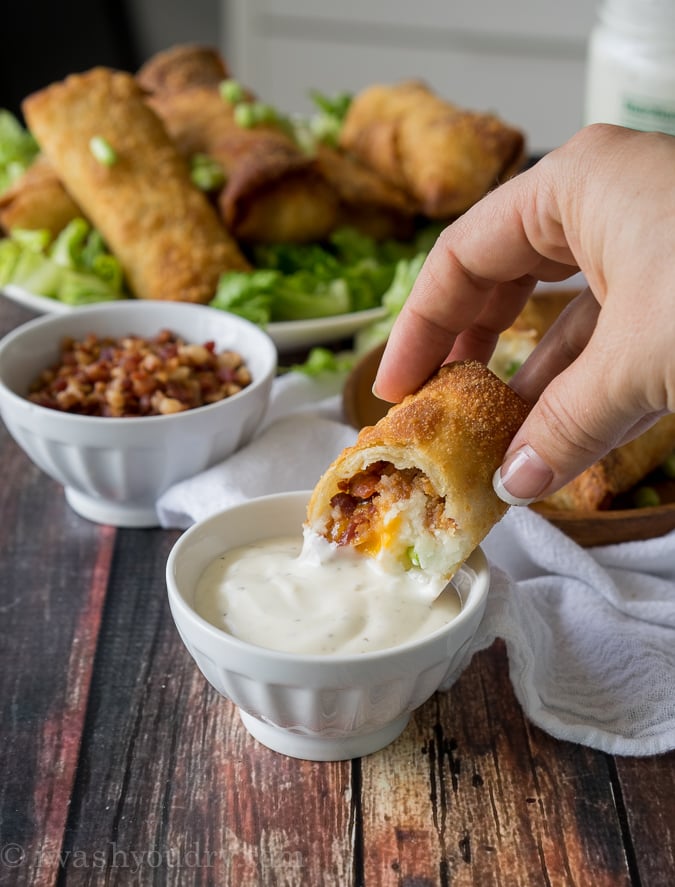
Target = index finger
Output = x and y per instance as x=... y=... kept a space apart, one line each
x=473 y=284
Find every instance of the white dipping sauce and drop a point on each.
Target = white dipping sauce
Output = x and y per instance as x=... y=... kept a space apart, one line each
x=318 y=598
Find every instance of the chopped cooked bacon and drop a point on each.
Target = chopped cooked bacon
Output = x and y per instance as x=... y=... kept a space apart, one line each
x=364 y=484
x=376 y=489
x=343 y=503
x=358 y=527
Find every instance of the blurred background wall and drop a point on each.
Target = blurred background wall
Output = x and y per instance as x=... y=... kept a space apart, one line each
x=524 y=59
x=45 y=40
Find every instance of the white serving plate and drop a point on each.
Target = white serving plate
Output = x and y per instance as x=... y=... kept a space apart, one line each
x=287 y=336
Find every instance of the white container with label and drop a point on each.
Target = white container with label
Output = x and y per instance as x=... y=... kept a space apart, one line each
x=630 y=77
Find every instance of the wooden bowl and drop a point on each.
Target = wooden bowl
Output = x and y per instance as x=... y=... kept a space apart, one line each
x=587 y=528
x=359 y=405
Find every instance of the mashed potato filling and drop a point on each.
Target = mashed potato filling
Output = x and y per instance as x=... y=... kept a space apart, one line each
x=393 y=515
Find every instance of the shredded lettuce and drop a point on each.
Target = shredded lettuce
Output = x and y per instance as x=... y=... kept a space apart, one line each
x=74 y=267
x=247 y=293
x=350 y=272
x=322 y=360
x=393 y=300
x=18 y=149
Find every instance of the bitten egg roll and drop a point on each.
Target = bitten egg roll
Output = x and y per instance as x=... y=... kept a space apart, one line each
x=618 y=471
x=181 y=67
x=162 y=229
x=37 y=199
x=415 y=490
x=274 y=192
x=445 y=156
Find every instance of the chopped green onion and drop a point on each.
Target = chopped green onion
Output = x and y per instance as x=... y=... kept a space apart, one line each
x=645 y=497
x=248 y=114
x=413 y=556
x=231 y=91
x=206 y=173
x=512 y=368
x=264 y=113
x=668 y=466
x=103 y=151
x=244 y=115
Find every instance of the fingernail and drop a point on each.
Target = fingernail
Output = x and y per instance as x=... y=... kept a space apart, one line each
x=377 y=394
x=525 y=474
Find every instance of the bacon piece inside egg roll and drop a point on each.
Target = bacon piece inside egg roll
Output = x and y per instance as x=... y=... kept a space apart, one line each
x=445 y=156
x=162 y=229
x=415 y=491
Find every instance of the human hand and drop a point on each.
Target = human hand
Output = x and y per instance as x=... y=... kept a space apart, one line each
x=603 y=203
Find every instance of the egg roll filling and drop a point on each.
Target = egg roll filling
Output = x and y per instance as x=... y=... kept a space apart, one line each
x=393 y=514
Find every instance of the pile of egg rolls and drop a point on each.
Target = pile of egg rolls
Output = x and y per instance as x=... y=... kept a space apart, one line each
x=404 y=154
x=601 y=485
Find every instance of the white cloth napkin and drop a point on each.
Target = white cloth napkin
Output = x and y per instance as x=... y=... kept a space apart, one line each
x=300 y=436
x=590 y=633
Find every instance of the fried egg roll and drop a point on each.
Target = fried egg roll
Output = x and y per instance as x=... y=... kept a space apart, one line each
x=162 y=229
x=181 y=67
x=37 y=200
x=367 y=201
x=517 y=342
x=596 y=488
x=445 y=156
x=274 y=193
x=415 y=490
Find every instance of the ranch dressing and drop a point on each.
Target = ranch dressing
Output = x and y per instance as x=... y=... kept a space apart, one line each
x=317 y=598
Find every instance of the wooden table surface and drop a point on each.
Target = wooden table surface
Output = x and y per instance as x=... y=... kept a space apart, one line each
x=120 y=765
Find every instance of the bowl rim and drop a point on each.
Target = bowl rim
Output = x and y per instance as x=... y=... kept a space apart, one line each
x=477 y=561
x=264 y=341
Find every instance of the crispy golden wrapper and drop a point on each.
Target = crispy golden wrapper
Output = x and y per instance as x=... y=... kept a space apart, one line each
x=162 y=229
x=445 y=156
x=420 y=480
x=367 y=201
x=37 y=200
x=181 y=67
x=274 y=193
x=596 y=488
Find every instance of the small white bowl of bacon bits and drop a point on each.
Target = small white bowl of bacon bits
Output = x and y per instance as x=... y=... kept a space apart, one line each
x=119 y=401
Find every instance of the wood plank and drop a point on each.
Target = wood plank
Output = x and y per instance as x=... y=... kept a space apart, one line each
x=53 y=578
x=646 y=799
x=472 y=794
x=171 y=785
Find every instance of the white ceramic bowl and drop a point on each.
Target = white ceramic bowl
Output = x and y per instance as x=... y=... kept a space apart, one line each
x=114 y=470
x=318 y=707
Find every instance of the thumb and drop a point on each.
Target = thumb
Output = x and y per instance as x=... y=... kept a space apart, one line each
x=574 y=423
